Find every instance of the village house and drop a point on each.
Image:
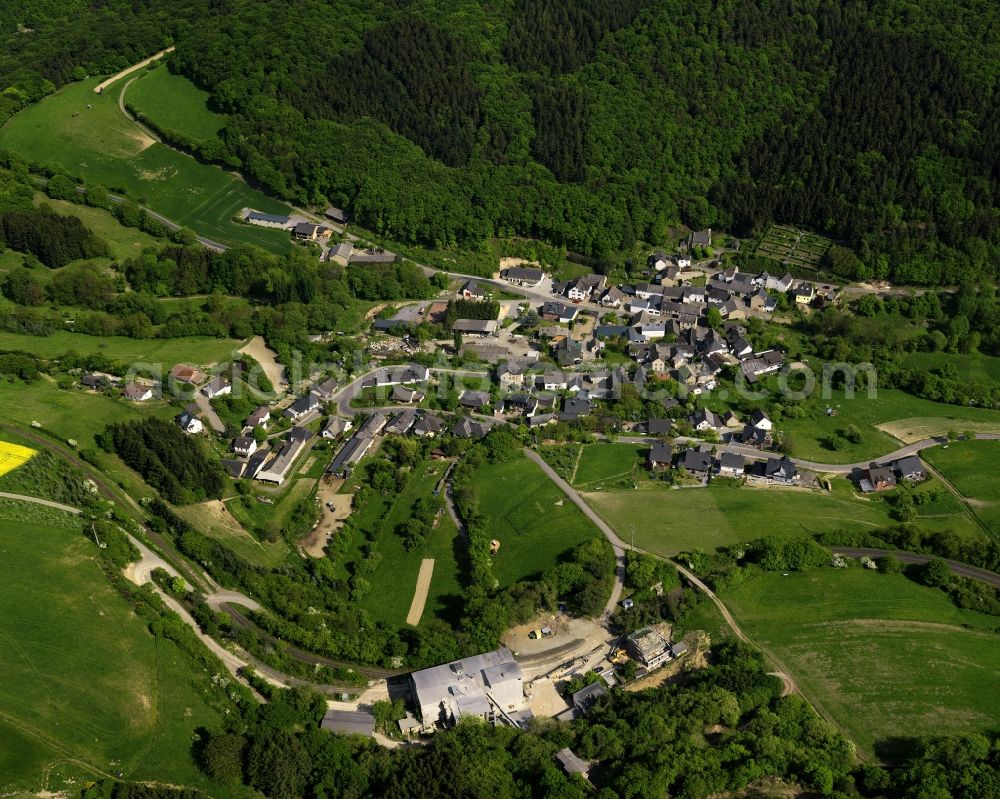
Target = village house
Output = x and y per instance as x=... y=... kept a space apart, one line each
x=613 y=297
x=307 y=231
x=407 y=395
x=572 y=764
x=183 y=373
x=520 y=405
x=189 y=423
x=659 y=427
x=217 y=387
x=302 y=406
x=703 y=420
x=731 y=464
x=574 y=408
x=325 y=389
x=585 y=286
x=660 y=456
x=336 y=427
x=805 y=293
x=696 y=461
x=427 y=426
x=348 y=455
x=137 y=392
x=910 y=468
x=510 y=376
x=648 y=647
x=559 y=312
x=473 y=291
x=780 y=470
x=700 y=238
x=760 y=420
x=401 y=423
x=244 y=446
x=568 y=351
x=877 y=478
x=259 y=418
x=469 y=428
x=476 y=400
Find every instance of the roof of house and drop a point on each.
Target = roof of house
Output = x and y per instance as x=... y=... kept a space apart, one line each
x=350 y=453
x=469 y=428
x=909 y=465
x=243 y=442
x=575 y=407
x=758 y=416
x=259 y=415
x=696 y=461
x=428 y=423
x=589 y=694
x=519 y=273
x=325 y=388
x=658 y=427
x=474 y=399
x=476 y=325
x=336 y=214
x=217 y=384
x=134 y=391
x=472 y=287
x=781 y=468
x=661 y=452
x=731 y=460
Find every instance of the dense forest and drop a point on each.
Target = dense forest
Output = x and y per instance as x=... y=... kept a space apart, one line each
x=588 y=124
x=166 y=458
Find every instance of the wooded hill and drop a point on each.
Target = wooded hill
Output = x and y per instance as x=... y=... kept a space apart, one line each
x=594 y=123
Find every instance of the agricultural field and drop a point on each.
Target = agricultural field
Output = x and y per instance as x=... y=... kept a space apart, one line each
x=607 y=464
x=13 y=456
x=533 y=520
x=667 y=521
x=970 y=466
x=161 y=352
x=174 y=103
x=86 y=689
x=793 y=247
x=878 y=653
x=87 y=135
x=394 y=581
x=891 y=410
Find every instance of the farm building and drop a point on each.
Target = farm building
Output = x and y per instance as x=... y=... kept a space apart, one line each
x=277 y=469
x=489 y=686
x=338 y=215
x=268 y=220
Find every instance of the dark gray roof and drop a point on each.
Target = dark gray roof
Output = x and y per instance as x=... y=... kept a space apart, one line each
x=276 y=218
x=351 y=722
x=909 y=466
x=589 y=694
x=661 y=453
x=696 y=461
x=731 y=460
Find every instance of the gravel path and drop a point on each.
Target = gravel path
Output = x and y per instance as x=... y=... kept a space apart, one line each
x=420 y=594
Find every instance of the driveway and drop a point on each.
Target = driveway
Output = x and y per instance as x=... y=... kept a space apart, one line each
x=208 y=412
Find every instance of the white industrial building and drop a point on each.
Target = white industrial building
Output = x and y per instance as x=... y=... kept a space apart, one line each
x=489 y=686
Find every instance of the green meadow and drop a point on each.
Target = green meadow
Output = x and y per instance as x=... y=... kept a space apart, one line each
x=86 y=135
x=881 y=655
x=533 y=520
x=85 y=690
x=174 y=103
x=970 y=466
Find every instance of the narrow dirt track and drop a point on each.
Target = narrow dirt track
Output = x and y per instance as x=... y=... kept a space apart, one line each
x=100 y=87
x=420 y=594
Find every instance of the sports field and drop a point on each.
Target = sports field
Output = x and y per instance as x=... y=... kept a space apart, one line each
x=85 y=690
x=13 y=456
x=878 y=653
x=87 y=135
x=174 y=103
x=533 y=520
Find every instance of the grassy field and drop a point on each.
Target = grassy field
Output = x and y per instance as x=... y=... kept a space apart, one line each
x=974 y=367
x=226 y=525
x=72 y=413
x=970 y=466
x=124 y=242
x=175 y=104
x=394 y=581
x=602 y=463
x=867 y=414
x=198 y=350
x=87 y=135
x=881 y=655
x=670 y=521
x=84 y=686
x=533 y=520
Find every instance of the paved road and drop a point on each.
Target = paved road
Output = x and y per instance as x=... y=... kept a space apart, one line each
x=39 y=501
x=814 y=466
x=346 y=393
x=617 y=544
x=208 y=412
x=959 y=568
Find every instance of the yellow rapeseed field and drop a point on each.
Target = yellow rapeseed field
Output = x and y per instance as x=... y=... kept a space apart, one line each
x=12 y=456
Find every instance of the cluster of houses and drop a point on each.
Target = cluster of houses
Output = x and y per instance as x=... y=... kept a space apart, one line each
x=301 y=229
x=886 y=477
x=703 y=461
